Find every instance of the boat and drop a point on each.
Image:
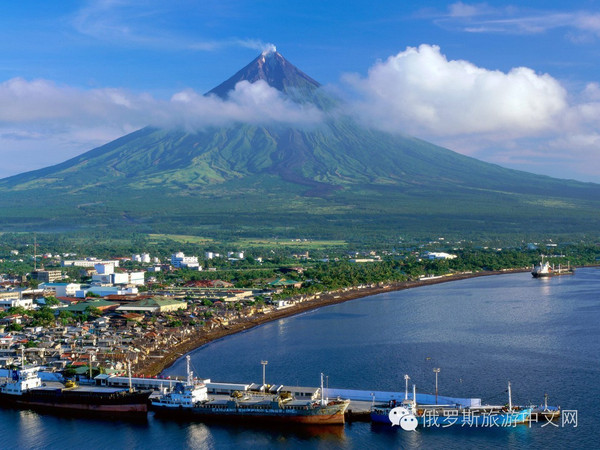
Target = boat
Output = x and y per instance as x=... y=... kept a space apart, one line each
x=444 y=416
x=543 y=270
x=25 y=389
x=549 y=413
x=189 y=399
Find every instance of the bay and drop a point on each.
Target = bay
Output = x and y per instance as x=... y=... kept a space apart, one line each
x=542 y=335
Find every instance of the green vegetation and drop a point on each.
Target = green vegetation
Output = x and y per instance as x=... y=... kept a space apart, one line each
x=245 y=184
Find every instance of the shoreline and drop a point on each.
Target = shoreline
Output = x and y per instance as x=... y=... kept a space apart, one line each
x=155 y=367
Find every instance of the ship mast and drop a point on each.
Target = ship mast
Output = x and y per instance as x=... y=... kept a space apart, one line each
x=190 y=374
x=509 y=397
x=129 y=375
x=406 y=378
x=322 y=399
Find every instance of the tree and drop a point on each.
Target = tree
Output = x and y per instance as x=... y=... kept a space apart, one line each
x=92 y=311
x=52 y=301
x=66 y=317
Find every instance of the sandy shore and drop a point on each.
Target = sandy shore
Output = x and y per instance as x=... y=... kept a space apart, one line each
x=156 y=366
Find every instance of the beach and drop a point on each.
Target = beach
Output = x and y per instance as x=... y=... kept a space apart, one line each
x=154 y=367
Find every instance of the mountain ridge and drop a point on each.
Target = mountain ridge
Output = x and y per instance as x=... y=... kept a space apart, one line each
x=334 y=173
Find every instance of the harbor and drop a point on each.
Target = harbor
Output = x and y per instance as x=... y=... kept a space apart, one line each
x=202 y=399
x=370 y=344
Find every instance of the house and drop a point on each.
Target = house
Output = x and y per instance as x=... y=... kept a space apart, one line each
x=102 y=305
x=179 y=260
x=7 y=303
x=285 y=283
x=438 y=255
x=61 y=289
x=154 y=305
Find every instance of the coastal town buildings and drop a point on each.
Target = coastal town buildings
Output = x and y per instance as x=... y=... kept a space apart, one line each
x=179 y=260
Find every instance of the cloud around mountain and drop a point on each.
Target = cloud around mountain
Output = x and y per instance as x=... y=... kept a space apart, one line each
x=417 y=91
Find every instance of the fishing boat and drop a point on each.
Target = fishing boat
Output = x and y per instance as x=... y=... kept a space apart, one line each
x=546 y=412
x=190 y=400
x=444 y=416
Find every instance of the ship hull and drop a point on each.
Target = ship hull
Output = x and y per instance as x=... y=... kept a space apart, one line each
x=329 y=415
x=122 y=404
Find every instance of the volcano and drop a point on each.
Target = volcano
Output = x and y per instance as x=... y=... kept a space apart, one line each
x=333 y=179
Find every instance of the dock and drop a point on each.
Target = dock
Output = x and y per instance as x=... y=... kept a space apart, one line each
x=359 y=410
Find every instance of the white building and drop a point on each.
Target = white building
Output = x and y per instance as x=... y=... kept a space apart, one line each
x=103 y=291
x=26 y=303
x=61 y=289
x=179 y=260
x=135 y=278
x=136 y=258
x=438 y=255
x=89 y=262
x=104 y=268
x=145 y=258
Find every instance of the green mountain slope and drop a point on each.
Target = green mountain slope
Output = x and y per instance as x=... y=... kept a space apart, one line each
x=335 y=179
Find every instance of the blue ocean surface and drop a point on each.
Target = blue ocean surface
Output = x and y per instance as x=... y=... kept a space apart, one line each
x=542 y=335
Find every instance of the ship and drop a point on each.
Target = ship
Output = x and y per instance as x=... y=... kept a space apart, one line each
x=444 y=416
x=549 y=413
x=543 y=270
x=24 y=388
x=190 y=400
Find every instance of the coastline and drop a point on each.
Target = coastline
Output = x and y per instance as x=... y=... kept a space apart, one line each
x=155 y=367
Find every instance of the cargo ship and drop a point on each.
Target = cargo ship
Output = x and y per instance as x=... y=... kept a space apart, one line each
x=25 y=389
x=444 y=416
x=190 y=400
x=543 y=270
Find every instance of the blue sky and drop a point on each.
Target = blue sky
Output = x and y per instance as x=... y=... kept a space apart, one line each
x=517 y=84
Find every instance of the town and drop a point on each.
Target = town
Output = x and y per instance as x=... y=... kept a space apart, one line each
x=82 y=317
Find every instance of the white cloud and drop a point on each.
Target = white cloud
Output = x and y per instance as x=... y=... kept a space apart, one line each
x=42 y=123
x=519 y=119
x=482 y=18
x=460 y=9
x=146 y=24
x=255 y=103
x=419 y=91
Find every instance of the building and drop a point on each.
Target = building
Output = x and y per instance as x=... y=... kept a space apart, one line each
x=7 y=303
x=179 y=261
x=102 y=305
x=103 y=291
x=89 y=262
x=135 y=278
x=438 y=255
x=46 y=276
x=61 y=289
x=285 y=283
x=154 y=305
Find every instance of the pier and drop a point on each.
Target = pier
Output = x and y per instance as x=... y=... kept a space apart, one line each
x=359 y=410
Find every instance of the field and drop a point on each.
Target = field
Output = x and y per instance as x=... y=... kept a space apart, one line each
x=247 y=243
